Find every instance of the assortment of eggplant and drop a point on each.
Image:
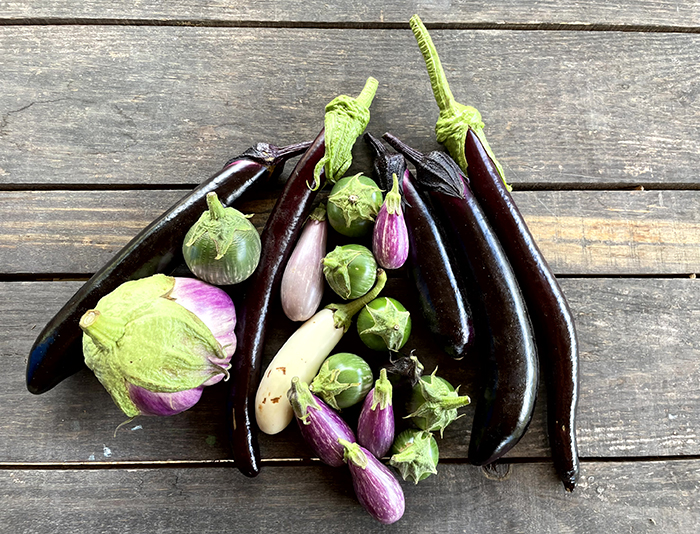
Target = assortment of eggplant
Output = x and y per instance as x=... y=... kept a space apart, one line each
x=483 y=287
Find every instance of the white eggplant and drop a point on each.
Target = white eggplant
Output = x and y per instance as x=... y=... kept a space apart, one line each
x=302 y=356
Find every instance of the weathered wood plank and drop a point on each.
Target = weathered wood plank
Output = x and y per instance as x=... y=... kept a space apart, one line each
x=164 y=105
x=640 y=389
x=612 y=497
x=683 y=14
x=580 y=232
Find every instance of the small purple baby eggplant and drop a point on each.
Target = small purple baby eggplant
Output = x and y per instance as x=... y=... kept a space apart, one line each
x=375 y=426
x=390 y=237
x=320 y=425
x=375 y=486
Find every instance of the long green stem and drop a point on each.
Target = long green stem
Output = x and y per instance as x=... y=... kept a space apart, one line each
x=438 y=81
x=343 y=313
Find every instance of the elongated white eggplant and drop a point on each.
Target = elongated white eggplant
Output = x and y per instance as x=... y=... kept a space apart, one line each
x=302 y=356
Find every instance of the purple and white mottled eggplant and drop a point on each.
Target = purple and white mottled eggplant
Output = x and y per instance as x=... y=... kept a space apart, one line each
x=375 y=486
x=390 y=237
x=154 y=343
x=375 y=426
x=302 y=282
x=320 y=425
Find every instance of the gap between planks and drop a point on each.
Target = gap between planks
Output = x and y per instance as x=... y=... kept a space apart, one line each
x=318 y=25
x=296 y=462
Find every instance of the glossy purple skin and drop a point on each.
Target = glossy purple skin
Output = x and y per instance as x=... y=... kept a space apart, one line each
x=390 y=239
x=163 y=404
x=322 y=430
x=376 y=428
x=378 y=490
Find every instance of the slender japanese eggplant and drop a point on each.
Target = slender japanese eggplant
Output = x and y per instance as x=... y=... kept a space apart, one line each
x=278 y=238
x=510 y=371
x=441 y=295
x=555 y=331
x=57 y=352
x=461 y=130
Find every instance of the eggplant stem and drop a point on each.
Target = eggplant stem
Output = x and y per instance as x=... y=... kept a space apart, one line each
x=343 y=313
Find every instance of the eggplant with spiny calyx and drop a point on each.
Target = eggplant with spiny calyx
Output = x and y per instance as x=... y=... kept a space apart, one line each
x=223 y=246
x=320 y=425
x=434 y=402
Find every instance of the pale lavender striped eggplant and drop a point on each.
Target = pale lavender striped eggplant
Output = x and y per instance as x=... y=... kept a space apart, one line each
x=320 y=425
x=390 y=237
x=375 y=486
x=375 y=426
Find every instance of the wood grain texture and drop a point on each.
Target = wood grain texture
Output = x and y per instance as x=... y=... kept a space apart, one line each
x=579 y=232
x=640 y=383
x=612 y=497
x=163 y=105
x=684 y=14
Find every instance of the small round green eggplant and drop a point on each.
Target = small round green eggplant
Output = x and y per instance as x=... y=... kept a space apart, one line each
x=434 y=402
x=343 y=380
x=384 y=324
x=415 y=454
x=350 y=270
x=353 y=204
x=223 y=247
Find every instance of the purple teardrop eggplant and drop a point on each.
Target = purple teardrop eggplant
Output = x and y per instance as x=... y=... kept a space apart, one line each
x=376 y=426
x=375 y=486
x=390 y=235
x=320 y=425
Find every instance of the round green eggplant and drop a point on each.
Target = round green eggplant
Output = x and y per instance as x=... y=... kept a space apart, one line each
x=384 y=324
x=343 y=380
x=353 y=204
x=350 y=270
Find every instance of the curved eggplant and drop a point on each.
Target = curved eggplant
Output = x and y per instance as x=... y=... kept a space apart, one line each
x=278 y=237
x=552 y=320
x=57 y=352
x=510 y=371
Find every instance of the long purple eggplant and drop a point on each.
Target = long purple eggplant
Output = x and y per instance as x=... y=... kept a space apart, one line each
x=320 y=425
x=441 y=296
x=57 y=352
x=461 y=130
x=504 y=333
x=552 y=320
x=278 y=237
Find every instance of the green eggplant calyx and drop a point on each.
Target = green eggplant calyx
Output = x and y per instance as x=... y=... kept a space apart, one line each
x=392 y=200
x=164 y=347
x=356 y=201
x=319 y=213
x=455 y=119
x=301 y=399
x=221 y=226
x=390 y=324
x=336 y=268
x=439 y=404
x=415 y=460
x=343 y=313
x=345 y=120
x=327 y=386
x=353 y=453
x=105 y=331
x=383 y=391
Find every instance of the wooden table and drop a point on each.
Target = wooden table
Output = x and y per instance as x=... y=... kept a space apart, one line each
x=112 y=110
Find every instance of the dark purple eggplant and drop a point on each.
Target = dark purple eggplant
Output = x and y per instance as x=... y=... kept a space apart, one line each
x=461 y=130
x=552 y=320
x=504 y=333
x=278 y=238
x=375 y=426
x=57 y=352
x=320 y=425
x=375 y=486
x=442 y=298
